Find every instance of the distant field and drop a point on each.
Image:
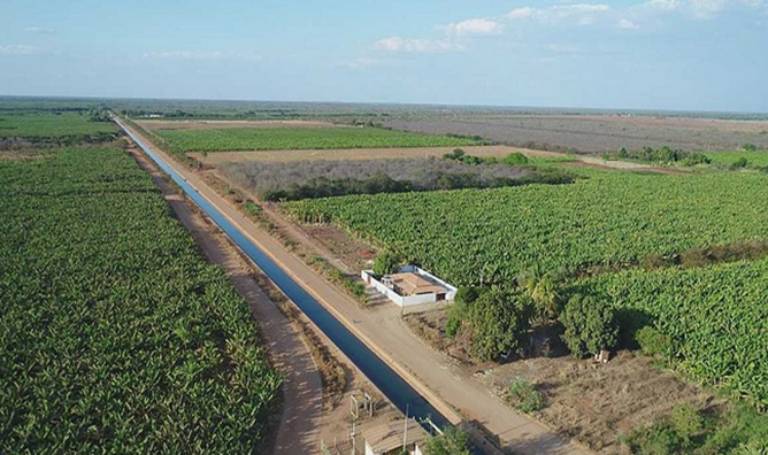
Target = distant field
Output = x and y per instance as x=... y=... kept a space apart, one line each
x=159 y=124
x=212 y=140
x=115 y=333
x=470 y=236
x=593 y=133
x=49 y=125
x=757 y=158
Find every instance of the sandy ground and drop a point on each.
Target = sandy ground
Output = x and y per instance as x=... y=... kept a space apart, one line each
x=302 y=405
x=358 y=154
x=287 y=156
x=450 y=389
x=217 y=124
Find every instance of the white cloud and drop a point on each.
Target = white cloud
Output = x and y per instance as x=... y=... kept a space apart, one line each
x=580 y=13
x=521 y=13
x=20 y=49
x=200 y=55
x=627 y=24
x=477 y=26
x=362 y=63
x=414 y=45
x=39 y=30
x=664 y=5
x=707 y=8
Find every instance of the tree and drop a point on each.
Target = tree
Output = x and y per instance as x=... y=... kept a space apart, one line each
x=386 y=262
x=499 y=321
x=458 y=311
x=452 y=442
x=543 y=291
x=590 y=325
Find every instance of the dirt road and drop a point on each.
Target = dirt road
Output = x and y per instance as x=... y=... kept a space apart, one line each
x=428 y=371
x=302 y=388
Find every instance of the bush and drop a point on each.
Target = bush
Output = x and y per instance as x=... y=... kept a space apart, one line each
x=741 y=163
x=652 y=342
x=590 y=325
x=523 y=396
x=515 y=159
x=458 y=311
x=453 y=441
x=749 y=147
x=386 y=262
x=499 y=321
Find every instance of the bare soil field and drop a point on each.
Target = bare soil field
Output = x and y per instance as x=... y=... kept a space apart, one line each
x=595 y=133
x=593 y=403
x=218 y=124
x=360 y=154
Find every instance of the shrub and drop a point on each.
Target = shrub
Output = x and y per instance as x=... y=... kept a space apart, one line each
x=386 y=262
x=458 y=311
x=523 y=396
x=590 y=325
x=515 y=159
x=741 y=163
x=652 y=342
x=499 y=321
x=749 y=147
x=453 y=441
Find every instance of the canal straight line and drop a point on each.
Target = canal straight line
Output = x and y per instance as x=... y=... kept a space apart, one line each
x=392 y=385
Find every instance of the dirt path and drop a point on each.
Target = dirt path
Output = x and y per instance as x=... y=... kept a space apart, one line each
x=302 y=388
x=447 y=387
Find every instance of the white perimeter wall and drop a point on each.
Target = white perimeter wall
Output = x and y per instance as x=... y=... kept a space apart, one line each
x=398 y=299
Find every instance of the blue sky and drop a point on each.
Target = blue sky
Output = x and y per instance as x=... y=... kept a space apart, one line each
x=656 y=54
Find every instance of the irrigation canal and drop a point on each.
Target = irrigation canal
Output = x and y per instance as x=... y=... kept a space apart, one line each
x=396 y=389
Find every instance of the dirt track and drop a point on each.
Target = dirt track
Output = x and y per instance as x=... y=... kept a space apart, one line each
x=302 y=388
x=430 y=372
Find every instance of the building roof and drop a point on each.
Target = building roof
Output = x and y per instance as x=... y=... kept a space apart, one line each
x=413 y=284
x=386 y=436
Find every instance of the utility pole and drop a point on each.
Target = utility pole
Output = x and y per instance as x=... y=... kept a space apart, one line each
x=405 y=428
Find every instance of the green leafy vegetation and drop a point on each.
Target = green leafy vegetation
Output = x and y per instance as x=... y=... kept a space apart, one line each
x=663 y=155
x=491 y=236
x=710 y=322
x=590 y=325
x=523 y=396
x=513 y=159
x=65 y=128
x=115 y=334
x=454 y=441
x=732 y=430
x=751 y=158
x=301 y=138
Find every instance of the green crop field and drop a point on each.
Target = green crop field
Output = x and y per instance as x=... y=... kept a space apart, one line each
x=301 y=138
x=717 y=318
x=470 y=236
x=758 y=158
x=50 y=125
x=115 y=334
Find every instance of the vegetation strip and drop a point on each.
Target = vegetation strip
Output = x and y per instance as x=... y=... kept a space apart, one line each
x=98 y=354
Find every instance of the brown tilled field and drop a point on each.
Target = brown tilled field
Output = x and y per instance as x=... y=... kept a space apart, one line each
x=595 y=133
x=362 y=154
x=218 y=124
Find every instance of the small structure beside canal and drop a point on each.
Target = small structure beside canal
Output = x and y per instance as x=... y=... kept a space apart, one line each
x=410 y=285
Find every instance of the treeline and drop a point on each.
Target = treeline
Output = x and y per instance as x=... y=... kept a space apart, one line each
x=664 y=155
x=381 y=183
x=513 y=159
x=323 y=178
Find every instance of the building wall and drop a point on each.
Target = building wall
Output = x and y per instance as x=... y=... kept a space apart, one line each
x=367 y=276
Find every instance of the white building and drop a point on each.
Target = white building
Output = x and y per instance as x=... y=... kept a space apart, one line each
x=411 y=285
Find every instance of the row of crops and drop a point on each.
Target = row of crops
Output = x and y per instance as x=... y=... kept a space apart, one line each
x=283 y=138
x=716 y=318
x=115 y=335
x=473 y=236
x=69 y=127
